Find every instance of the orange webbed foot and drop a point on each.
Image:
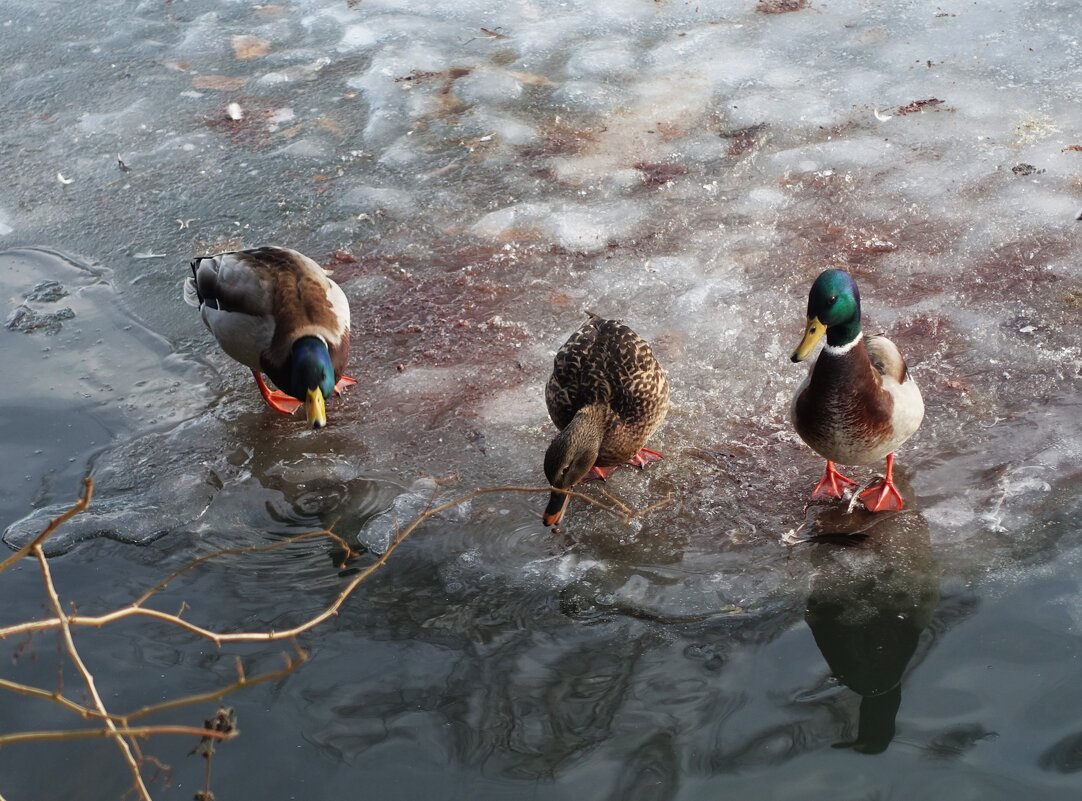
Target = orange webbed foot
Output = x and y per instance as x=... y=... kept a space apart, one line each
x=883 y=496
x=833 y=484
x=343 y=382
x=600 y=473
x=643 y=458
x=279 y=401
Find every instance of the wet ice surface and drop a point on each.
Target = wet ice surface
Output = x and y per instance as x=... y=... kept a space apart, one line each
x=477 y=177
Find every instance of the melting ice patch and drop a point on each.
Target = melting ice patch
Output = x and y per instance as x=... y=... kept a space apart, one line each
x=578 y=227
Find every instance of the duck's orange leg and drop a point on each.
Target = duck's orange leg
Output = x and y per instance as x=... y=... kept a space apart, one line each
x=644 y=457
x=832 y=484
x=600 y=473
x=343 y=382
x=640 y=460
x=279 y=401
x=883 y=496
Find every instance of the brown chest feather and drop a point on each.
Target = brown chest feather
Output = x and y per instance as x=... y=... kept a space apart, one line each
x=844 y=399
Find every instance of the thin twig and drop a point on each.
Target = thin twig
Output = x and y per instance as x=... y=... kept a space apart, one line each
x=618 y=506
x=651 y=508
x=118 y=732
x=49 y=695
x=243 y=682
x=73 y=653
x=188 y=700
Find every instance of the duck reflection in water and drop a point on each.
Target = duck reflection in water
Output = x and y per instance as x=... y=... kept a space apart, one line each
x=869 y=604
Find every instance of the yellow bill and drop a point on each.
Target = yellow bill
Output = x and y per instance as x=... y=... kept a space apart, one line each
x=315 y=409
x=812 y=334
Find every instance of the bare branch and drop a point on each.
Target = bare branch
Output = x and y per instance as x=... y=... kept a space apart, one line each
x=617 y=509
x=651 y=508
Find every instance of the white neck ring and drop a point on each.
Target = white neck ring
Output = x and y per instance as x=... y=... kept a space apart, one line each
x=841 y=350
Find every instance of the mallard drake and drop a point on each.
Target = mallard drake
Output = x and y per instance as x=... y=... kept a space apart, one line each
x=607 y=395
x=275 y=311
x=859 y=402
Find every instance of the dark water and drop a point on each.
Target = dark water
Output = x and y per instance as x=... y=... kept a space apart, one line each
x=477 y=177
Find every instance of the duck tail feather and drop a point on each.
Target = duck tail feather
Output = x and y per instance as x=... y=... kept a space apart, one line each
x=191 y=293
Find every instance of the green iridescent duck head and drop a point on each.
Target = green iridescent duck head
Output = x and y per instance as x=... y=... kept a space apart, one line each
x=312 y=378
x=834 y=310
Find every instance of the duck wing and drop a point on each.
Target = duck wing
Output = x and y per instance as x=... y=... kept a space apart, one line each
x=639 y=386
x=886 y=358
x=231 y=282
x=576 y=381
x=605 y=362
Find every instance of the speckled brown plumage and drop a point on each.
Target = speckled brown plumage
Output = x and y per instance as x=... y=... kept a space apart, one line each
x=607 y=364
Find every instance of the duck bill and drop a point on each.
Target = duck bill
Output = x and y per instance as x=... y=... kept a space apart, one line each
x=812 y=334
x=315 y=409
x=554 y=512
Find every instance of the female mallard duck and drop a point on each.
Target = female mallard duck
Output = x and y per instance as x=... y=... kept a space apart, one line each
x=607 y=395
x=275 y=311
x=858 y=403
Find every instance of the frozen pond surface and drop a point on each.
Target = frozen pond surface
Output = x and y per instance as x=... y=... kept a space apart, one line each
x=478 y=175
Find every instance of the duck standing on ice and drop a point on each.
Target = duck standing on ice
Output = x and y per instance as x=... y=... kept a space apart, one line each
x=859 y=402
x=607 y=395
x=275 y=311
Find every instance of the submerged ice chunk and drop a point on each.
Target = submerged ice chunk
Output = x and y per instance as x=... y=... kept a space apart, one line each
x=372 y=199
x=306 y=149
x=356 y=37
x=380 y=531
x=28 y=321
x=585 y=228
x=116 y=518
x=508 y=129
x=589 y=96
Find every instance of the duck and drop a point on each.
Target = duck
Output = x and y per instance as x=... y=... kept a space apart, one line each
x=278 y=313
x=859 y=402
x=607 y=395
